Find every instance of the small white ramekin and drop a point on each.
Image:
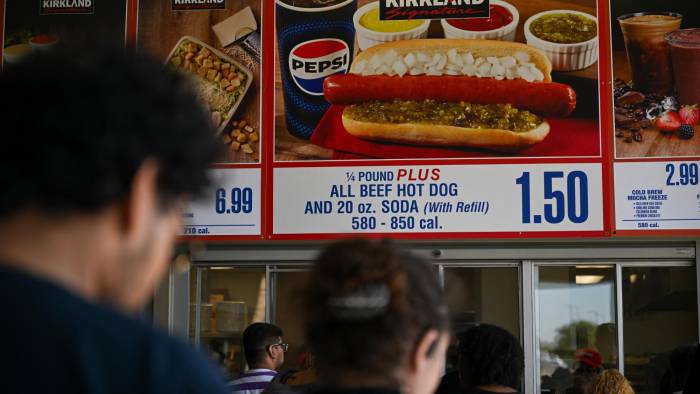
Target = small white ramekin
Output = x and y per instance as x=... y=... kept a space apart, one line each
x=504 y=33
x=565 y=57
x=44 y=47
x=367 y=38
x=16 y=58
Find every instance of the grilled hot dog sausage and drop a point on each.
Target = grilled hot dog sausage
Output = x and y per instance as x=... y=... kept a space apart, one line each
x=543 y=98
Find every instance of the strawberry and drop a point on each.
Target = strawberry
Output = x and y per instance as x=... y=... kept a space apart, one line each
x=669 y=121
x=690 y=114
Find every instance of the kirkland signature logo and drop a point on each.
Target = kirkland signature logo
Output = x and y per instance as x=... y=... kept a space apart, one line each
x=51 y=7
x=432 y=9
x=188 y=5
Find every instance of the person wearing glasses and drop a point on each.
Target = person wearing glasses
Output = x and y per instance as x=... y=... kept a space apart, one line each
x=376 y=321
x=264 y=352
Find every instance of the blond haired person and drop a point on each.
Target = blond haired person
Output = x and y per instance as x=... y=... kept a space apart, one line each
x=610 y=381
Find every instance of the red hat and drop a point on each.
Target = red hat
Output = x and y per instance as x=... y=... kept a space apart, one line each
x=590 y=357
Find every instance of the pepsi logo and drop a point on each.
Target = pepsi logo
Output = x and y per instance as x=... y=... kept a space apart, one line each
x=312 y=61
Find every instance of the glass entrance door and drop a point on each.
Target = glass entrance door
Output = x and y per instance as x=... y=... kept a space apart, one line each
x=638 y=317
x=476 y=295
x=576 y=325
x=223 y=301
x=660 y=317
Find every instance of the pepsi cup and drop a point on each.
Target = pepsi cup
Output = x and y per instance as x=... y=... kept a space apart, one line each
x=315 y=40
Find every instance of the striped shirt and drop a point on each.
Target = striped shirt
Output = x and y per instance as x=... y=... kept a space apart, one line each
x=252 y=382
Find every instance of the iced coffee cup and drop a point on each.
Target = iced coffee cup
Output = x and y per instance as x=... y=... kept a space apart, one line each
x=685 y=56
x=648 y=52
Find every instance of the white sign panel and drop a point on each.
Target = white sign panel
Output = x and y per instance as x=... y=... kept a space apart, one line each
x=657 y=196
x=419 y=199
x=230 y=207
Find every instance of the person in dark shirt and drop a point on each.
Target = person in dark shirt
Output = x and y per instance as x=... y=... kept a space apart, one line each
x=692 y=384
x=679 y=367
x=491 y=360
x=100 y=148
x=450 y=384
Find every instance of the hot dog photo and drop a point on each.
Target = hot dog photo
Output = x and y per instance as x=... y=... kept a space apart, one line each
x=518 y=81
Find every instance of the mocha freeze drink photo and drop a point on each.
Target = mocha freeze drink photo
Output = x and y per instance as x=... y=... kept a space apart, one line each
x=656 y=66
x=685 y=56
x=647 y=50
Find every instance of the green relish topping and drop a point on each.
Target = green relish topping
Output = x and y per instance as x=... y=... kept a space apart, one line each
x=564 y=28
x=461 y=114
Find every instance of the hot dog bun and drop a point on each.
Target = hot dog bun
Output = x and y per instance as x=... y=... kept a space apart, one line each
x=441 y=135
x=478 y=48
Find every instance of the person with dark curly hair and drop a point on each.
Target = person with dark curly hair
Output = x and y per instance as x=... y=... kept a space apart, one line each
x=491 y=360
x=376 y=321
x=100 y=149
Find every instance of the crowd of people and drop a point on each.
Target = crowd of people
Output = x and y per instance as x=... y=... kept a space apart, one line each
x=94 y=175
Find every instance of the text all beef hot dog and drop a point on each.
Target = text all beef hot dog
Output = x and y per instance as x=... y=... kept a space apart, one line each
x=544 y=98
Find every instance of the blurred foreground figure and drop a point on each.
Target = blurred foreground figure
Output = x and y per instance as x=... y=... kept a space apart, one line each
x=99 y=151
x=376 y=321
x=610 y=381
x=491 y=360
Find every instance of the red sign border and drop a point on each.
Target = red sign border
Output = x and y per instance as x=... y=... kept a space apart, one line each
x=132 y=39
x=612 y=158
x=268 y=164
x=604 y=160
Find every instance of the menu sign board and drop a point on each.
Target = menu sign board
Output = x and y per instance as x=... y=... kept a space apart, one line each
x=656 y=92
x=340 y=118
x=385 y=126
